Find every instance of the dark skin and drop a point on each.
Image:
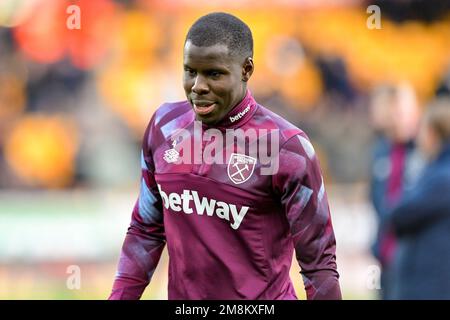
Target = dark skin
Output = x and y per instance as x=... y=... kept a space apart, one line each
x=214 y=80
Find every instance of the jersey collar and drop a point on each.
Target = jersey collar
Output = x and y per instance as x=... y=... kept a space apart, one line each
x=239 y=115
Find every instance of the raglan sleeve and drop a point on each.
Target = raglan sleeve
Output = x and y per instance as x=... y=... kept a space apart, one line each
x=300 y=187
x=145 y=238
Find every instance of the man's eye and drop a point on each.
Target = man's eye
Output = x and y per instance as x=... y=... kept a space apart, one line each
x=190 y=72
x=214 y=74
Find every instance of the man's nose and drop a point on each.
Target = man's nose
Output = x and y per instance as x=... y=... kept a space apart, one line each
x=200 y=85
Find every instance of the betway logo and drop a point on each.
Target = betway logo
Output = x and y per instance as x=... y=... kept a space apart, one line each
x=183 y=202
x=240 y=114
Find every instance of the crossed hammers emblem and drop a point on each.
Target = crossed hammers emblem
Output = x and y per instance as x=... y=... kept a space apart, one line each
x=239 y=170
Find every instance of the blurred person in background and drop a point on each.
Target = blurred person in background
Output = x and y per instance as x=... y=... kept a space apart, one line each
x=421 y=221
x=395 y=164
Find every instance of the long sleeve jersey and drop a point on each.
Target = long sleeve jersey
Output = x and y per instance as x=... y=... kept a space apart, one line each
x=231 y=226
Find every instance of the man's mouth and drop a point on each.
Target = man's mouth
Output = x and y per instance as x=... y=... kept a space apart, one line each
x=203 y=108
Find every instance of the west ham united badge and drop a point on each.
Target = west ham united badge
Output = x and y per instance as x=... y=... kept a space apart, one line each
x=240 y=168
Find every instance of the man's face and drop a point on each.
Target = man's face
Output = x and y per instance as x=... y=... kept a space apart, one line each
x=213 y=80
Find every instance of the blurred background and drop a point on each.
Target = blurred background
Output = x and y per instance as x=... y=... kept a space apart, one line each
x=74 y=103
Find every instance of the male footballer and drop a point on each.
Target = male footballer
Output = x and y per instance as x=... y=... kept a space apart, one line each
x=231 y=188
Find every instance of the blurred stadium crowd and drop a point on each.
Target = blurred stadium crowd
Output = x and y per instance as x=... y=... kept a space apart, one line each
x=74 y=104
x=71 y=100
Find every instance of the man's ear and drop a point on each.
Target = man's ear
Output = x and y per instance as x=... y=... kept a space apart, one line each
x=247 y=69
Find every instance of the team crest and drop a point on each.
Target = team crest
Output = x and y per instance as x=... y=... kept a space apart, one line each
x=240 y=168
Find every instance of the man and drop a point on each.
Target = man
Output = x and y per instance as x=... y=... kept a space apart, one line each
x=421 y=220
x=395 y=117
x=231 y=227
